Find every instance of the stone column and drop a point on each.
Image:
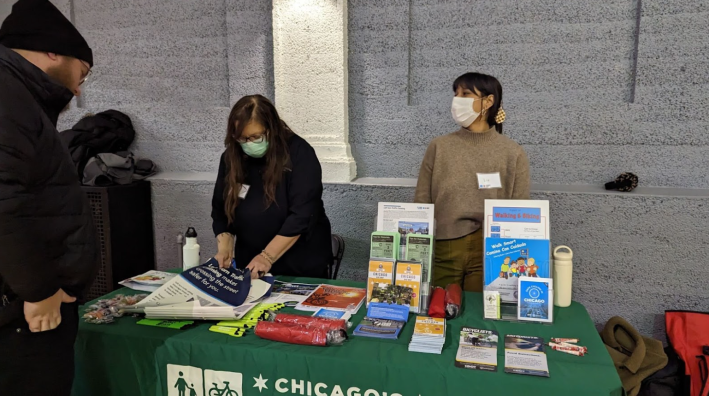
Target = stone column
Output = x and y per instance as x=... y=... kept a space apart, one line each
x=310 y=73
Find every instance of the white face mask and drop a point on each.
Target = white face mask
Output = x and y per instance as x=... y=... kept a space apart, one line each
x=462 y=111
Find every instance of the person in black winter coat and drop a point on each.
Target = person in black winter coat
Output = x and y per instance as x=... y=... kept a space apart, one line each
x=48 y=249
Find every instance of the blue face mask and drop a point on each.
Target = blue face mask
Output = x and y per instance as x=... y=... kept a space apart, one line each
x=255 y=149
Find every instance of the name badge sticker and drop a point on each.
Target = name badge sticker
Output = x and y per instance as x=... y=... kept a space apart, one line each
x=244 y=191
x=489 y=180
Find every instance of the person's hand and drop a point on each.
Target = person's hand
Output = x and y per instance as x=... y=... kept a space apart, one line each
x=45 y=315
x=225 y=250
x=224 y=257
x=259 y=266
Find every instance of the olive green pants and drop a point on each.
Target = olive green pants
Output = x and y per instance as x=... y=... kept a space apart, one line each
x=460 y=261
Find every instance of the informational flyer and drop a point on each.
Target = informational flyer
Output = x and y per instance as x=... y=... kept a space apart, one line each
x=477 y=349
x=525 y=355
x=405 y=218
x=511 y=218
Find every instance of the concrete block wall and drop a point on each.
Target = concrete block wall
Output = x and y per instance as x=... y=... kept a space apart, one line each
x=5 y=8
x=176 y=67
x=566 y=70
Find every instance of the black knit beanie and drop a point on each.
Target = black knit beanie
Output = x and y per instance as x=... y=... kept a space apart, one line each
x=37 y=25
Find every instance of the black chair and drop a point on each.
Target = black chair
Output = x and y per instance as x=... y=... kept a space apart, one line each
x=338 y=250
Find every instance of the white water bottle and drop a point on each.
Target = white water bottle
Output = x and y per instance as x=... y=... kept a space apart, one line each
x=563 y=269
x=190 y=252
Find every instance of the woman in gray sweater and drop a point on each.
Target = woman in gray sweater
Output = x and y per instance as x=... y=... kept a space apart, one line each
x=463 y=169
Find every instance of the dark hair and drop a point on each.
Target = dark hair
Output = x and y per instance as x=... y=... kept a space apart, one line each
x=520 y=258
x=259 y=109
x=486 y=85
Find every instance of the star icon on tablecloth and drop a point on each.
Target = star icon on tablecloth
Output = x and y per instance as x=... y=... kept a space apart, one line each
x=260 y=383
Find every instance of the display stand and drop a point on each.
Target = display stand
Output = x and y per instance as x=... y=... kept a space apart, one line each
x=516 y=244
x=409 y=218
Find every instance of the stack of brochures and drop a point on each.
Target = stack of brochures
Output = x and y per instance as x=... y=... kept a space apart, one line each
x=206 y=292
x=429 y=335
x=379 y=328
x=383 y=321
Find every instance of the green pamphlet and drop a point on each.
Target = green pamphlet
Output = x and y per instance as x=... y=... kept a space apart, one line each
x=419 y=247
x=385 y=245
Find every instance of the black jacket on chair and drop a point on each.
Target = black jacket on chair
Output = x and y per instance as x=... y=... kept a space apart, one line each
x=47 y=235
x=107 y=132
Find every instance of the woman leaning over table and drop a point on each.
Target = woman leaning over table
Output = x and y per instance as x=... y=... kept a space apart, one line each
x=461 y=170
x=268 y=196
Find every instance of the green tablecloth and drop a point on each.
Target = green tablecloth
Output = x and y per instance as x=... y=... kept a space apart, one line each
x=129 y=360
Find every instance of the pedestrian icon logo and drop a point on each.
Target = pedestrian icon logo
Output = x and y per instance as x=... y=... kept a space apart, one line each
x=193 y=381
x=184 y=381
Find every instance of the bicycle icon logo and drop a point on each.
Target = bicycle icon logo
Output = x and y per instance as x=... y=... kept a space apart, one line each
x=216 y=391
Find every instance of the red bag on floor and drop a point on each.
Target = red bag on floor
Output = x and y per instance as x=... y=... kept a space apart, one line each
x=437 y=308
x=688 y=334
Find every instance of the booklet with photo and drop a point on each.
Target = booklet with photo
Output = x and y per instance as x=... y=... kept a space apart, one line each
x=525 y=355
x=409 y=274
x=381 y=276
x=536 y=297
x=334 y=297
x=293 y=293
x=149 y=281
x=477 y=349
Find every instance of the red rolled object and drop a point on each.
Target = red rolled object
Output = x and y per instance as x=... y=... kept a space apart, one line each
x=320 y=323
x=437 y=309
x=291 y=333
x=454 y=299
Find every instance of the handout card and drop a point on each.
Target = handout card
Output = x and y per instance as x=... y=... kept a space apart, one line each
x=477 y=349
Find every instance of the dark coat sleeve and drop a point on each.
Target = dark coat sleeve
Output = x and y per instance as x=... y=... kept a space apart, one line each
x=220 y=222
x=24 y=264
x=304 y=191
